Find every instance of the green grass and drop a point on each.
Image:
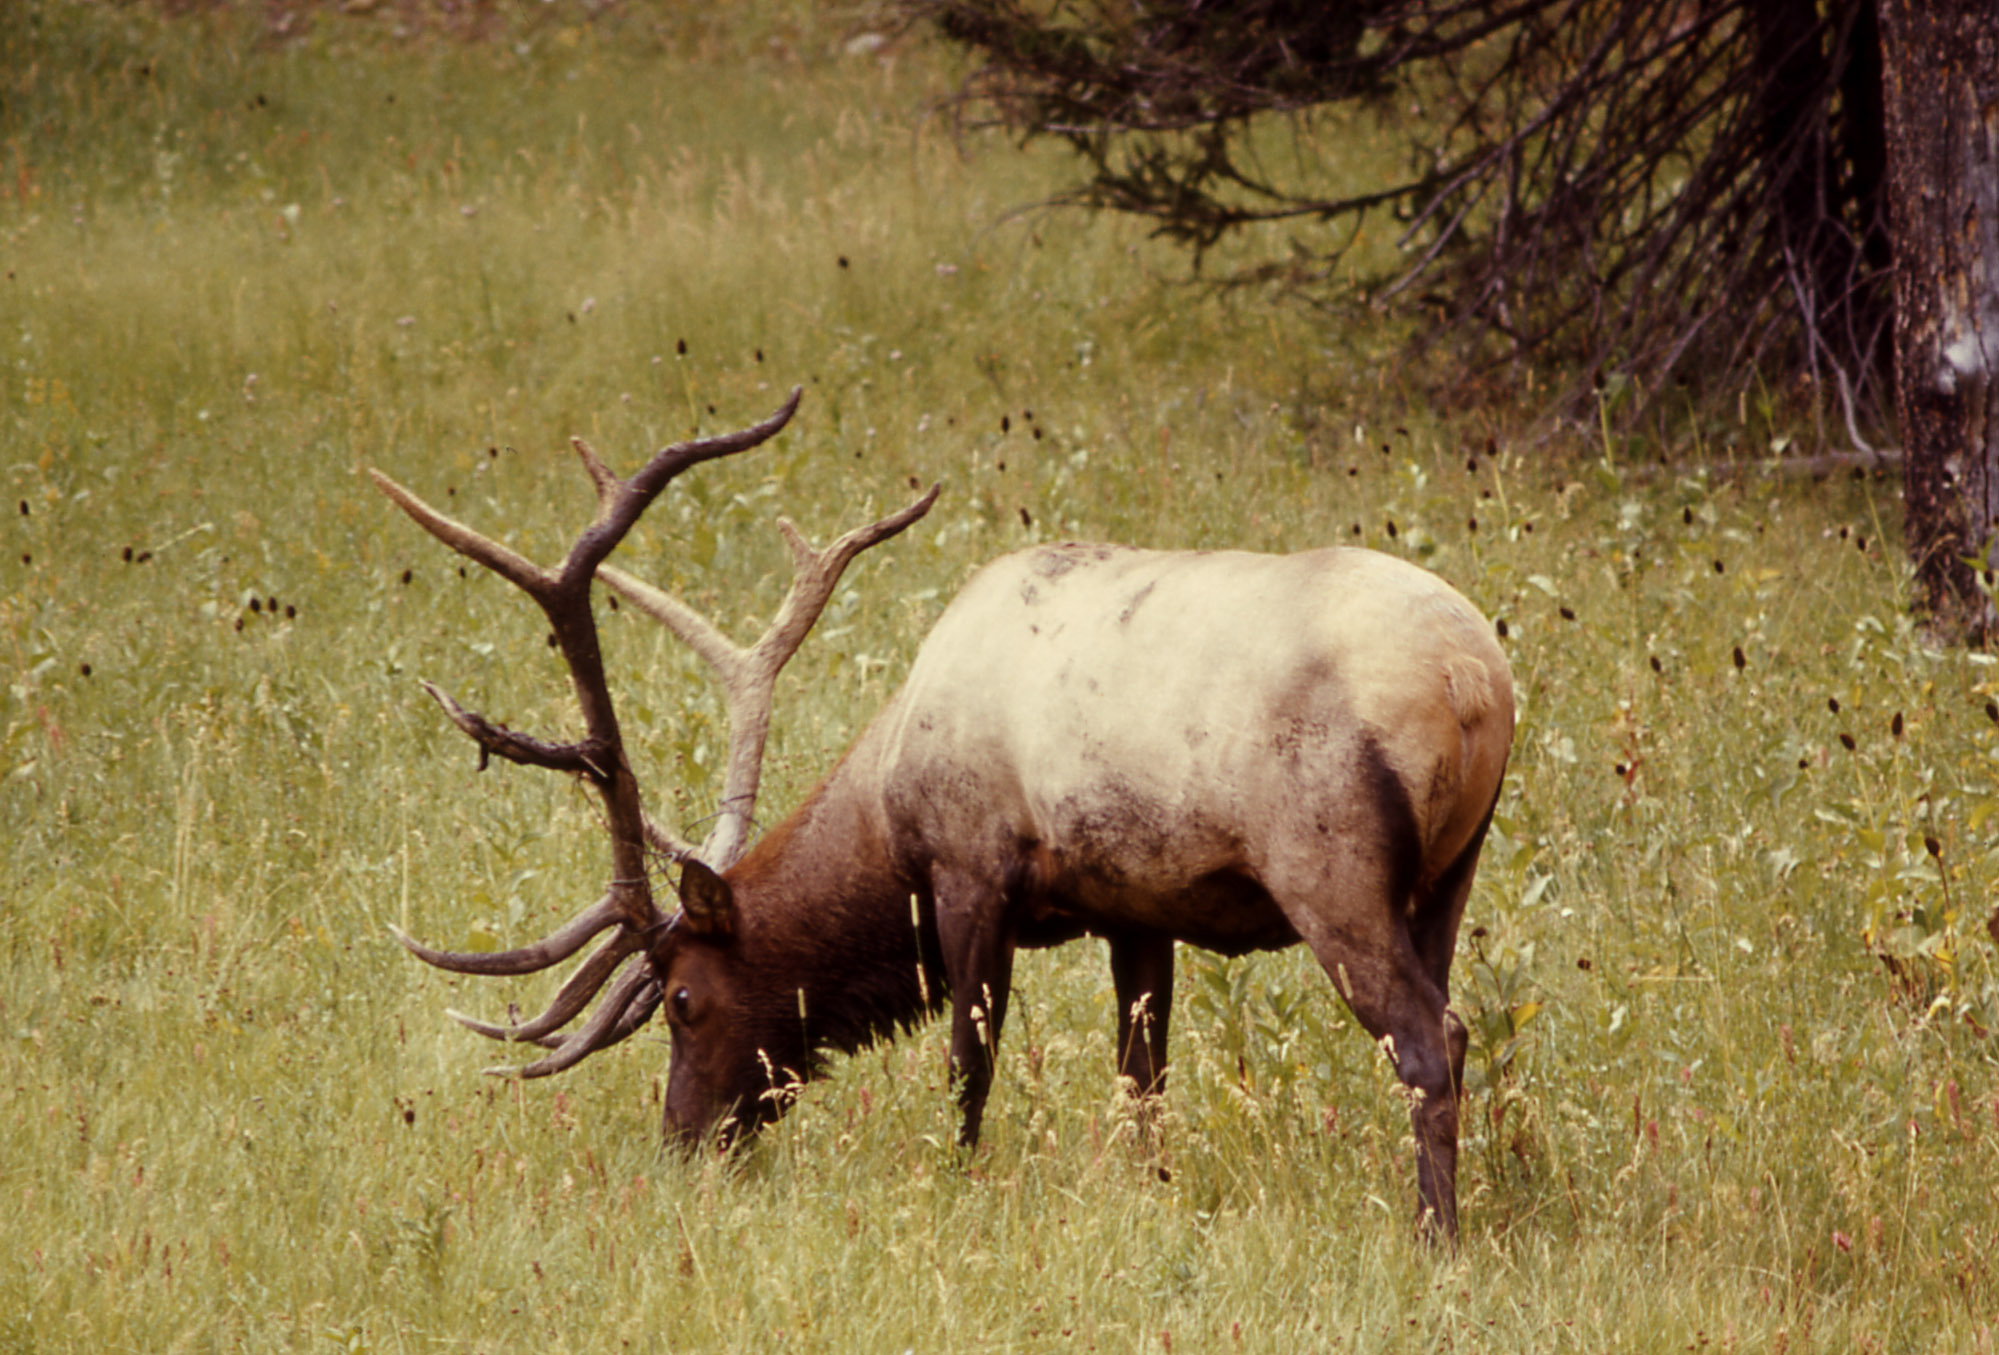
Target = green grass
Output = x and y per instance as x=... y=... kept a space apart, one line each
x=1704 y=1111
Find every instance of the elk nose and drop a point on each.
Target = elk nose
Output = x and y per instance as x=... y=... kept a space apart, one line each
x=679 y=1132
x=689 y=1127
x=675 y=1122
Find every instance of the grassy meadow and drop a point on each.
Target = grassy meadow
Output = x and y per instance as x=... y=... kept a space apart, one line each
x=1732 y=1082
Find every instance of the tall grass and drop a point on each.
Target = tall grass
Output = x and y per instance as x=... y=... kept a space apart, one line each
x=1730 y=1083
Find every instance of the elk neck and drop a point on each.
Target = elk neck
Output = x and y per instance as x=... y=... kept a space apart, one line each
x=823 y=909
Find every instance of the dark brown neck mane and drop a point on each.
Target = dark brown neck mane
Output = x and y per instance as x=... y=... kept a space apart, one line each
x=823 y=910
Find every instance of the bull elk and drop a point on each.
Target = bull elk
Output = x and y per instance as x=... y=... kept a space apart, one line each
x=1233 y=750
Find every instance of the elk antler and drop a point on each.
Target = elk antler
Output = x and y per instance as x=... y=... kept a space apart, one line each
x=748 y=677
x=749 y=674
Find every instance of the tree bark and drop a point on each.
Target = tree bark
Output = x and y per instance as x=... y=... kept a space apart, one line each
x=1941 y=60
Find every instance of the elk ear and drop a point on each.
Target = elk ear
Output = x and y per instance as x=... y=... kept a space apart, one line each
x=705 y=899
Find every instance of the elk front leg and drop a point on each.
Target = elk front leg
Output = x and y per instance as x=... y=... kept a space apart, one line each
x=1142 y=972
x=975 y=930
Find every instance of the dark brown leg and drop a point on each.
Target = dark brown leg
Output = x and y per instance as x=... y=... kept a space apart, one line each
x=1398 y=1002
x=1388 y=986
x=1435 y=935
x=1142 y=972
x=974 y=927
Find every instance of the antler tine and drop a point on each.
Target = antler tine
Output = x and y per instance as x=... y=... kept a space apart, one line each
x=817 y=573
x=574 y=996
x=749 y=674
x=621 y=503
x=671 y=461
x=510 y=565
x=601 y=475
x=639 y=1007
x=552 y=949
x=596 y=1033
x=515 y=746
x=563 y=595
x=691 y=628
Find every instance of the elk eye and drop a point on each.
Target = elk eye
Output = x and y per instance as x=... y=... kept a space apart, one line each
x=681 y=1001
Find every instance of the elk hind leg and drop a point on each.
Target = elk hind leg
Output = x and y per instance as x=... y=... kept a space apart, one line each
x=1396 y=1002
x=1358 y=928
x=1434 y=929
x=1142 y=974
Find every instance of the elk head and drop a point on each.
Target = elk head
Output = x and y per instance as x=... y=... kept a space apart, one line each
x=630 y=968
x=721 y=1074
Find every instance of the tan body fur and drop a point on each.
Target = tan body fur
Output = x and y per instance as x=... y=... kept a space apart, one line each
x=1234 y=750
x=1139 y=722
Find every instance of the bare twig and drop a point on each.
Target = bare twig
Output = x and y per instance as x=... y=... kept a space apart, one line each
x=1665 y=187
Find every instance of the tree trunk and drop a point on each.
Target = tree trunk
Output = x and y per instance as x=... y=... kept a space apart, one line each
x=1941 y=61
